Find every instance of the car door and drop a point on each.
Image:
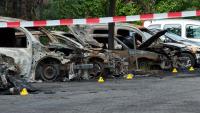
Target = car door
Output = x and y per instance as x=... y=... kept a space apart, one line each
x=16 y=43
x=134 y=38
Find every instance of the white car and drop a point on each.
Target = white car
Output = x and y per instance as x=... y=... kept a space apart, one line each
x=186 y=28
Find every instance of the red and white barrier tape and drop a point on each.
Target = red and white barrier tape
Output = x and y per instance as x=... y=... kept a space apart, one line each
x=100 y=20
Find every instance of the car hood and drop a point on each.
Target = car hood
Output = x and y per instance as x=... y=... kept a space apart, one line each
x=180 y=45
x=84 y=38
x=148 y=42
x=190 y=42
x=58 y=46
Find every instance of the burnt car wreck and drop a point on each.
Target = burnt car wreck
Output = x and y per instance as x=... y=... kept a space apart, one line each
x=85 y=62
x=32 y=54
x=74 y=68
x=150 y=53
x=35 y=60
x=11 y=81
x=185 y=49
x=105 y=63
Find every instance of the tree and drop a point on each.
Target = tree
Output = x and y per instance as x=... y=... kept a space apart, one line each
x=56 y=9
x=75 y=9
x=24 y=9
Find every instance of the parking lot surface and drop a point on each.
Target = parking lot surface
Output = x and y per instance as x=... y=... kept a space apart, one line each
x=171 y=94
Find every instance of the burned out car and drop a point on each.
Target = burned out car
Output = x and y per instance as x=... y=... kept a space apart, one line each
x=35 y=60
x=149 y=53
x=76 y=68
x=187 y=49
x=10 y=78
x=105 y=63
x=29 y=54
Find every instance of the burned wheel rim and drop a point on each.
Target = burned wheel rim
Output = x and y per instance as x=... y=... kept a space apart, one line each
x=47 y=70
x=189 y=62
x=144 y=65
x=49 y=73
x=97 y=69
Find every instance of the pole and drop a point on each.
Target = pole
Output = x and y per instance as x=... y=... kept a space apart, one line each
x=111 y=26
x=135 y=53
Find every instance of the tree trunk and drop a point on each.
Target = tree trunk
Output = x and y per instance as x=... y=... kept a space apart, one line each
x=23 y=9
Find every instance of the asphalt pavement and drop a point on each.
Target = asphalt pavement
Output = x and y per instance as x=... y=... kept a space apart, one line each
x=165 y=94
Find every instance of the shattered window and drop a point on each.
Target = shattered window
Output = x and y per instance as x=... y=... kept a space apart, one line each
x=44 y=40
x=123 y=35
x=127 y=37
x=40 y=35
x=173 y=28
x=146 y=34
x=123 y=32
x=193 y=31
x=103 y=40
x=11 y=37
x=100 y=31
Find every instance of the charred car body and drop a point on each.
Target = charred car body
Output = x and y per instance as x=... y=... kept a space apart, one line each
x=77 y=67
x=150 y=54
x=186 y=48
x=105 y=63
x=35 y=60
x=10 y=78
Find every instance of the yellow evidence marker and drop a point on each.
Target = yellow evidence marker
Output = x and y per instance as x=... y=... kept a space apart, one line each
x=129 y=76
x=24 y=92
x=191 y=69
x=174 y=70
x=101 y=80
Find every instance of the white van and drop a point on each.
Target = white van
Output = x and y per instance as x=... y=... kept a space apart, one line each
x=186 y=28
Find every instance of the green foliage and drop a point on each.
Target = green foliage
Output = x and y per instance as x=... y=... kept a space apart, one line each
x=129 y=8
x=169 y=5
x=44 y=40
x=57 y=9
x=75 y=9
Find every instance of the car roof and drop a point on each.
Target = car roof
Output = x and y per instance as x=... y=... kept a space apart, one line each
x=118 y=25
x=178 y=21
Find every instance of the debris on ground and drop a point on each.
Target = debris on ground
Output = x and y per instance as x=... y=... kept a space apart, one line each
x=11 y=83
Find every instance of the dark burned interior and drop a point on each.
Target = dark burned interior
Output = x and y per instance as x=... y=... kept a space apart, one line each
x=42 y=36
x=10 y=37
x=124 y=36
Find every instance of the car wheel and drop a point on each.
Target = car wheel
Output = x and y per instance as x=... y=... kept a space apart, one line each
x=97 y=69
x=144 y=65
x=187 y=63
x=48 y=70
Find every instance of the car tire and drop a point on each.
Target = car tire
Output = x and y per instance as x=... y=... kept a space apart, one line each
x=97 y=70
x=191 y=57
x=48 y=70
x=144 y=65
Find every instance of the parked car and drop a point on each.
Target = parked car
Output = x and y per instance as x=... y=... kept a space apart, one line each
x=150 y=52
x=186 y=28
x=187 y=48
x=35 y=60
x=100 y=34
x=102 y=60
x=10 y=80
